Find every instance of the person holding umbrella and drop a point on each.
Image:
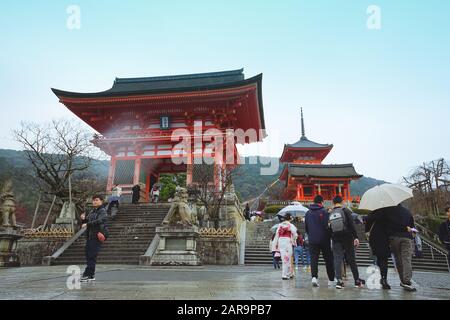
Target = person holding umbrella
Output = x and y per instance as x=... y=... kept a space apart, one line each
x=376 y=232
x=285 y=239
x=398 y=224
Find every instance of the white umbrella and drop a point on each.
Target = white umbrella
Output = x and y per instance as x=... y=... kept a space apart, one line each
x=294 y=209
x=385 y=195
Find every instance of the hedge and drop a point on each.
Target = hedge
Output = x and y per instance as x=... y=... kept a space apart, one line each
x=273 y=209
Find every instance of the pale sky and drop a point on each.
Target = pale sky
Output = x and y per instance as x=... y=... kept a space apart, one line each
x=380 y=96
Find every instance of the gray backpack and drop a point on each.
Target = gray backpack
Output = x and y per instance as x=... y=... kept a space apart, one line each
x=338 y=223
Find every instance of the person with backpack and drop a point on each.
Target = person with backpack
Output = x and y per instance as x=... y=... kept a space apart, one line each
x=345 y=240
x=96 y=234
x=317 y=228
x=285 y=239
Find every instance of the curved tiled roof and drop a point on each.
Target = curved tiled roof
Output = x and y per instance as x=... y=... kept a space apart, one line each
x=305 y=143
x=323 y=170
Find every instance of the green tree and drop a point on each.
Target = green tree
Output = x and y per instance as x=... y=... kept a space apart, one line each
x=169 y=182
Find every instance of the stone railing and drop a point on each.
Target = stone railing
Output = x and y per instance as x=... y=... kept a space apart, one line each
x=218 y=233
x=55 y=233
x=429 y=235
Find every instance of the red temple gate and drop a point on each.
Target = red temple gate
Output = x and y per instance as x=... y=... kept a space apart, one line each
x=169 y=124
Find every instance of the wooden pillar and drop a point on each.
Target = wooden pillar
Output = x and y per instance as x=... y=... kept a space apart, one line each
x=298 y=192
x=189 y=165
x=319 y=189
x=111 y=173
x=347 y=188
x=147 y=186
x=137 y=171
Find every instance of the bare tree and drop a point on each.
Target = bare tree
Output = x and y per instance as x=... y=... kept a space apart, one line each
x=210 y=195
x=56 y=151
x=430 y=183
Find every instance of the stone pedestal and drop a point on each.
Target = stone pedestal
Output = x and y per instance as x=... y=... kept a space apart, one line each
x=8 y=247
x=177 y=246
x=66 y=218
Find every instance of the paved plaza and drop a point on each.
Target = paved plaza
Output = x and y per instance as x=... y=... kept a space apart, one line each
x=202 y=283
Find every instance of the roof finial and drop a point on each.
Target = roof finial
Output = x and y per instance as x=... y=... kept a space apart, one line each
x=303 y=124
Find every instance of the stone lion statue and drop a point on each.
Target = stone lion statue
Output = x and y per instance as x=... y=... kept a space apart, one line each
x=179 y=212
x=8 y=206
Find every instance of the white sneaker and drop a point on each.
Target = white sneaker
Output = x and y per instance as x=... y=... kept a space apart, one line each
x=315 y=282
x=331 y=283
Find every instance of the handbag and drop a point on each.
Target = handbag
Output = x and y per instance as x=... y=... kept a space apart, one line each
x=101 y=237
x=368 y=233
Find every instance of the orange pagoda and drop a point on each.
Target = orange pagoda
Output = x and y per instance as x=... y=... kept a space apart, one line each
x=305 y=175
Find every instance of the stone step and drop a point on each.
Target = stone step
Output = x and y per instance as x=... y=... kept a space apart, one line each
x=133 y=261
x=116 y=243
x=121 y=247
x=112 y=254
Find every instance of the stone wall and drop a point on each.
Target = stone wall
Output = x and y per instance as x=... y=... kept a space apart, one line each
x=218 y=251
x=31 y=251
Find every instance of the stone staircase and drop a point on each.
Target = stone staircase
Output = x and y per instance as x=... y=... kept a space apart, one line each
x=257 y=249
x=130 y=235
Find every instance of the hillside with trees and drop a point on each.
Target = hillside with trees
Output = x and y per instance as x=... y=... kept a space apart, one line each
x=248 y=181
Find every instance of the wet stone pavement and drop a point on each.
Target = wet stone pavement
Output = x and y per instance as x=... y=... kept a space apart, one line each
x=203 y=283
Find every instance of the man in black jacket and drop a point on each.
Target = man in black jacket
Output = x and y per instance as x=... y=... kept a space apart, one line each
x=444 y=232
x=345 y=239
x=94 y=223
x=399 y=225
x=316 y=226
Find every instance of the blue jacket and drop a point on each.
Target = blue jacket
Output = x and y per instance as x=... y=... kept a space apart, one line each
x=316 y=224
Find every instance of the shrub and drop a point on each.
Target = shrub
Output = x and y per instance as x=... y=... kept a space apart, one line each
x=273 y=209
x=433 y=223
x=362 y=212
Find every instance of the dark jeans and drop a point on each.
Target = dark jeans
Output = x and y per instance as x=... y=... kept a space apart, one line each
x=92 y=249
x=327 y=255
x=347 y=250
x=382 y=263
